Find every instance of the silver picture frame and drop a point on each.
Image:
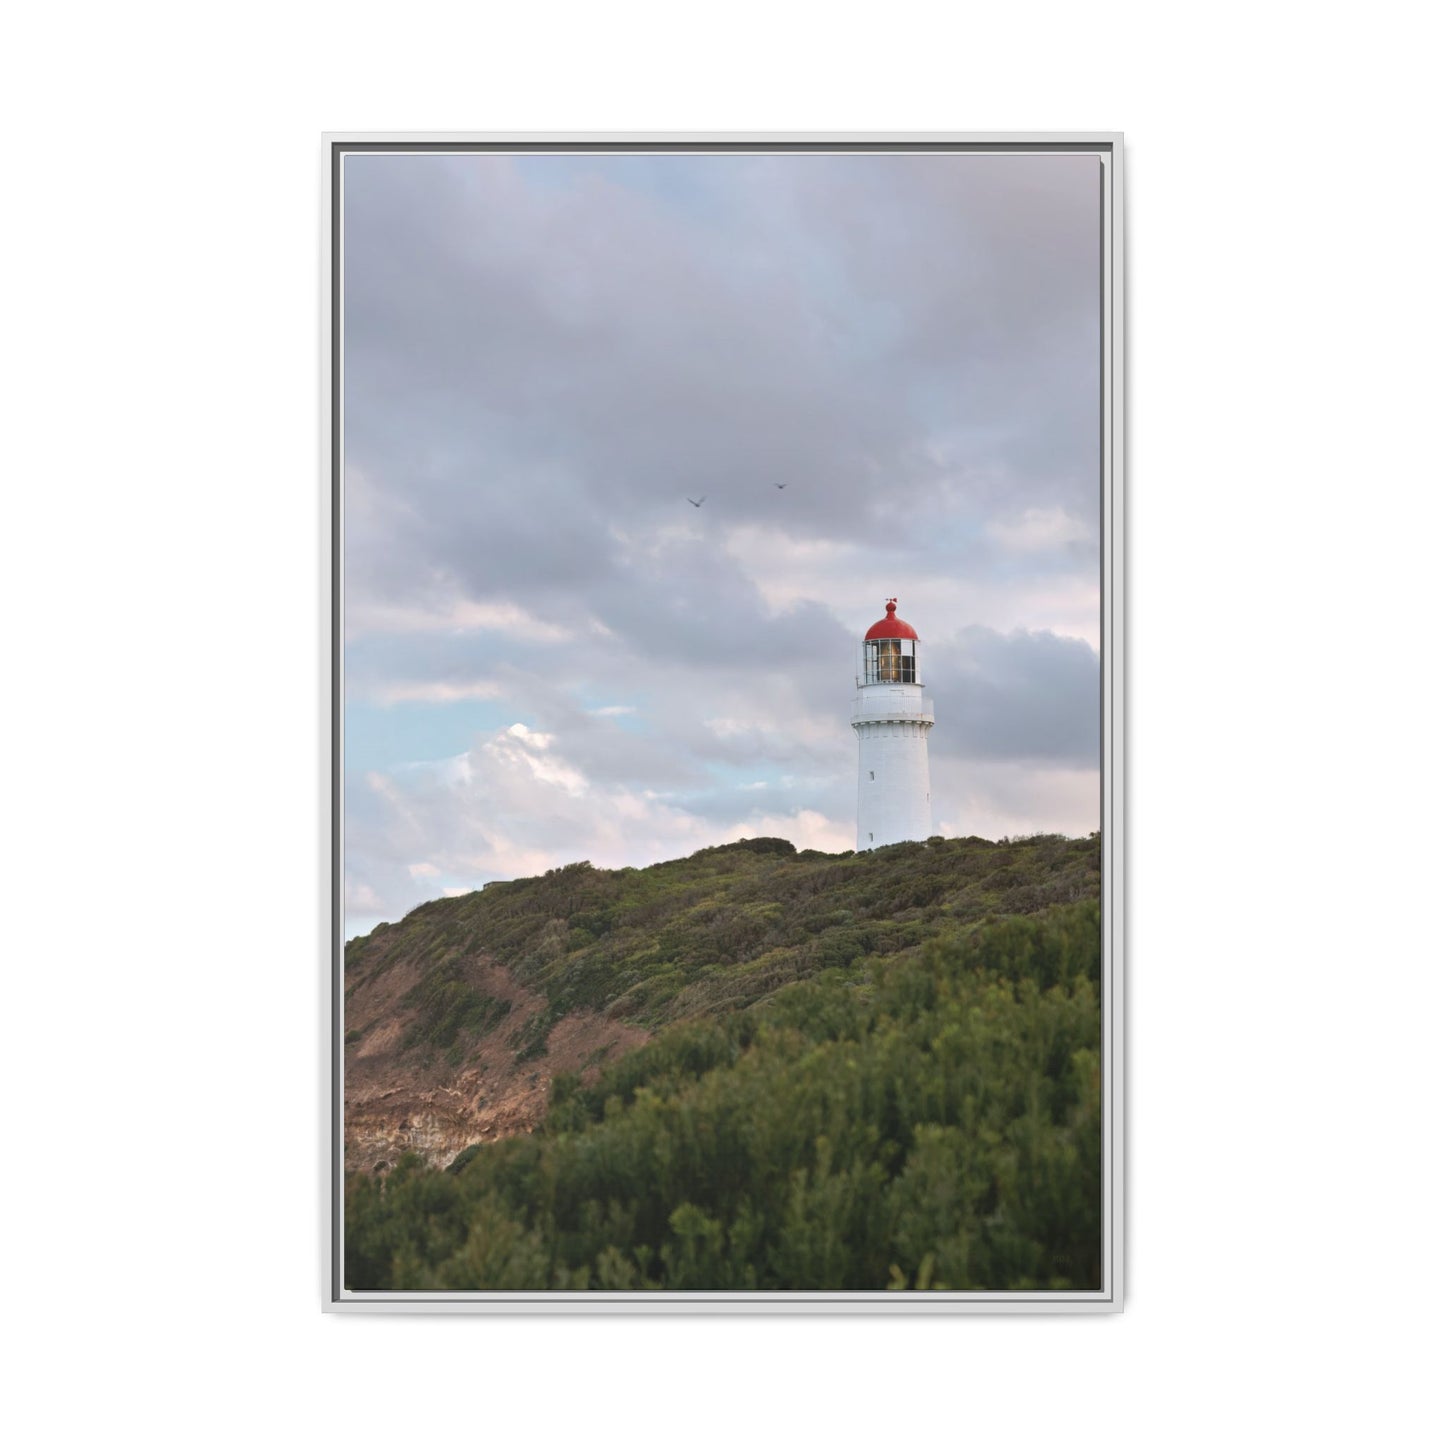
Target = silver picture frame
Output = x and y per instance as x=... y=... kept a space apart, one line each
x=1108 y=147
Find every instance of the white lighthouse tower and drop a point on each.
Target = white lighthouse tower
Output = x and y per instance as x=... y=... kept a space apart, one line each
x=892 y=719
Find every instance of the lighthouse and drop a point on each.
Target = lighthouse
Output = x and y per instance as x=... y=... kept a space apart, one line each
x=892 y=719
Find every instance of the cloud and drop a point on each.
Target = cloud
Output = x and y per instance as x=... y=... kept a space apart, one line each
x=1025 y=696
x=516 y=804
x=435 y=691
x=1041 y=529
x=545 y=355
x=362 y=898
x=529 y=363
x=993 y=799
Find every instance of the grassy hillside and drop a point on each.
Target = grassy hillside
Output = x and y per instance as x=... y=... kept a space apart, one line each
x=867 y=1072
x=702 y=935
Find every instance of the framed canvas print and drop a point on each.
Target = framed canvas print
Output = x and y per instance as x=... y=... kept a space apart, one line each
x=726 y=734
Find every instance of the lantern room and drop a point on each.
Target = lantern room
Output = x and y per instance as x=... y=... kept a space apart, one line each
x=890 y=650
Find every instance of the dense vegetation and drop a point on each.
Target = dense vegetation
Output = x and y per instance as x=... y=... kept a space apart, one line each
x=708 y=934
x=881 y=1084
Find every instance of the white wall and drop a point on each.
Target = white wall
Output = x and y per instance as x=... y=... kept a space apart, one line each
x=162 y=176
x=893 y=790
x=891 y=722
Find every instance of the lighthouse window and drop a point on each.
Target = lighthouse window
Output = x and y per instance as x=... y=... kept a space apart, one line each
x=890 y=659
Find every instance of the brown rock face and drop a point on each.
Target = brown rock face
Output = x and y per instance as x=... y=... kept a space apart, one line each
x=400 y=1100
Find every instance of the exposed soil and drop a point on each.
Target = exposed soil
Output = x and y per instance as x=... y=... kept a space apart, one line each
x=394 y=1103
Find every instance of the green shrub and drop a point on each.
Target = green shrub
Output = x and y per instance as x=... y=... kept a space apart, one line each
x=935 y=1125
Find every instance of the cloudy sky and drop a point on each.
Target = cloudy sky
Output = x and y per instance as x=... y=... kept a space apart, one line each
x=550 y=655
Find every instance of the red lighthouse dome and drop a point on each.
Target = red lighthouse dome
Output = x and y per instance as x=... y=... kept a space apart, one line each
x=890 y=650
x=890 y=626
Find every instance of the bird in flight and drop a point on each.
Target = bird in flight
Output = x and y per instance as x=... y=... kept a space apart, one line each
x=780 y=485
x=699 y=501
